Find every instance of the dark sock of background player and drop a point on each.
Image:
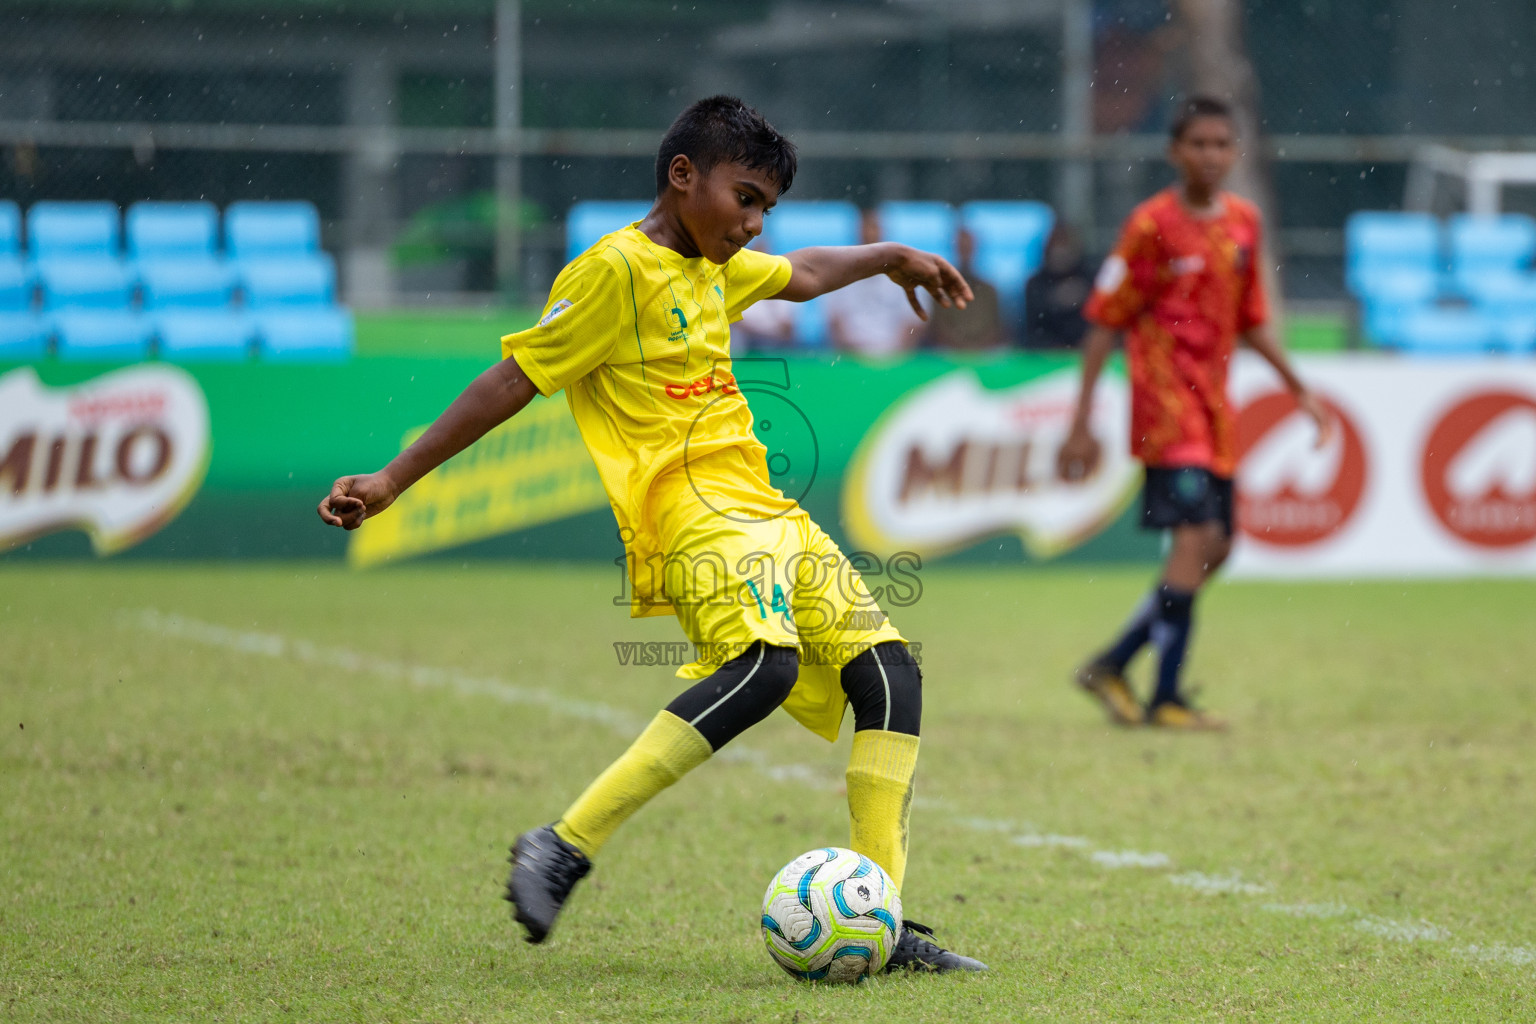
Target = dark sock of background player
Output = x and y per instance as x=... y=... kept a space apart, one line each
x=1165 y=617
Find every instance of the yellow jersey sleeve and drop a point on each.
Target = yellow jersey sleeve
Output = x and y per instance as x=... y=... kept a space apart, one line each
x=578 y=330
x=751 y=276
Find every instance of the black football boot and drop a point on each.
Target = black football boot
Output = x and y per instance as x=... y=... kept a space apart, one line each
x=545 y=868
x=915 y=953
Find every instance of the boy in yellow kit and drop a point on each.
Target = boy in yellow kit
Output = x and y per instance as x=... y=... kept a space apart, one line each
x=637 y=334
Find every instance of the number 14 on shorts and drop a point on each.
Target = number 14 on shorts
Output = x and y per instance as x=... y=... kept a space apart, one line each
x=779 y=604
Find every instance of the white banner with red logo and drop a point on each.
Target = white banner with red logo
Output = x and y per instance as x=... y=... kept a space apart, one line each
x=1432 y=472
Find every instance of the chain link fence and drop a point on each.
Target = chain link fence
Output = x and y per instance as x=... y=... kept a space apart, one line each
x=385 y=117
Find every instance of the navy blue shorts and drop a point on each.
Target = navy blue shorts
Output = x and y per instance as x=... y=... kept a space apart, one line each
x=1185 y=496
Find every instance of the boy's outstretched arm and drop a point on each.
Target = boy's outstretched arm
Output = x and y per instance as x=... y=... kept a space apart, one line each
x=1079 y=454
x=491 y=398
x=1262 y=340
x=827 y=268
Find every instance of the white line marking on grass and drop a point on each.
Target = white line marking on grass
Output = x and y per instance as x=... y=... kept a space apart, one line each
x=1130 y=859
x=1215 y=885
x=1403 y=931
x=1319 y=910
x=1051 y=839
x=272 y=645
x=625 y=723
x=806 y=775
x=1498 y=953
x=1410 y=931
x=987 y=824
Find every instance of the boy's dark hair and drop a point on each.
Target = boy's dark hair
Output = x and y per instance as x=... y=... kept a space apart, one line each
x=723 y=129
x=1194 y=108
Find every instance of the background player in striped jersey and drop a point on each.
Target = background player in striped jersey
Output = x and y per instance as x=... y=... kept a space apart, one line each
x=1183 y=285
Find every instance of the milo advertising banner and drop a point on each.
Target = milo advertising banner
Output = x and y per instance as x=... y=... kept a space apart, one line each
x=1432 y=470
x=197 y=461
x=954 y=462
x=116 y=457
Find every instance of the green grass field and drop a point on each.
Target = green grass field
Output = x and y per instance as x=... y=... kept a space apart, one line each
x=285 y=793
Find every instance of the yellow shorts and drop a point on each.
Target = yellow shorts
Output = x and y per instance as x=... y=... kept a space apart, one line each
x=736 y=575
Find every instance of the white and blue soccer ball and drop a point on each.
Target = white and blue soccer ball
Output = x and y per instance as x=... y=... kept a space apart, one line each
x=831 y=915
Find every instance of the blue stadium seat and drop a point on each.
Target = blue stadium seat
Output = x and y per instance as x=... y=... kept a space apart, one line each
x=798 y=225
x=1010 y=243
x=299 y=281
x=68 y=230
x=924 y=224
x=271 y=230
x=591 y=219
x=1516 y=335
x=24 y=335
x=1399 y=284
x=172 y=230
x=1377 y=241
x=102 y=334
x=1500 y=244
x=318 y=335
x=1448 y=331
x=1382 y=323
x=186 y=283
x=16 y=284
x=1502 y=292
x=10 y=228
x=204 y=334
x=1390 y=296
x=85 y=282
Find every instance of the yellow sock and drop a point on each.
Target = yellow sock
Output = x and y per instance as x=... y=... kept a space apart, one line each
x=668 y=749
x=880 y=771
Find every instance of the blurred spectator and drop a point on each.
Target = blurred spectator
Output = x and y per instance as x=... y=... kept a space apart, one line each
x=768 y=325
x=1054 y=297
x=980 y=324
x=872 y=317
x=1132 y=45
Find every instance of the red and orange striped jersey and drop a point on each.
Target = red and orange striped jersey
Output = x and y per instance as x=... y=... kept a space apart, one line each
x=1182 y=288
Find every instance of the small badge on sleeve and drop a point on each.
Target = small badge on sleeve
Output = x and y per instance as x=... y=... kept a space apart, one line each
x=1111 y=274
x=554 y=311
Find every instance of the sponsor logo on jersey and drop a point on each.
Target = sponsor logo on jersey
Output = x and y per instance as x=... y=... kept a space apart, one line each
x=1479 y=469
x=1187 y=264
x=719 y=380
x=1292 y=493
x=679 y=324
x=953 y=463
x=118 y=456
x=554 y=311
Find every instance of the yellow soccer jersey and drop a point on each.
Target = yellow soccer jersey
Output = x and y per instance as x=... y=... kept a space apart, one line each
x=638 y=337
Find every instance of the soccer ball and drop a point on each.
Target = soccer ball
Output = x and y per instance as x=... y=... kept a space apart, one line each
x=832 y=915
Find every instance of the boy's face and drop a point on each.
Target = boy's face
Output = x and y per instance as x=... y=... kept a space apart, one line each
x=1204 y=154
x=722 y=210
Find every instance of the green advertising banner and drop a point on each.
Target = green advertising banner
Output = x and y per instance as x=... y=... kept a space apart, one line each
x=936 y=456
